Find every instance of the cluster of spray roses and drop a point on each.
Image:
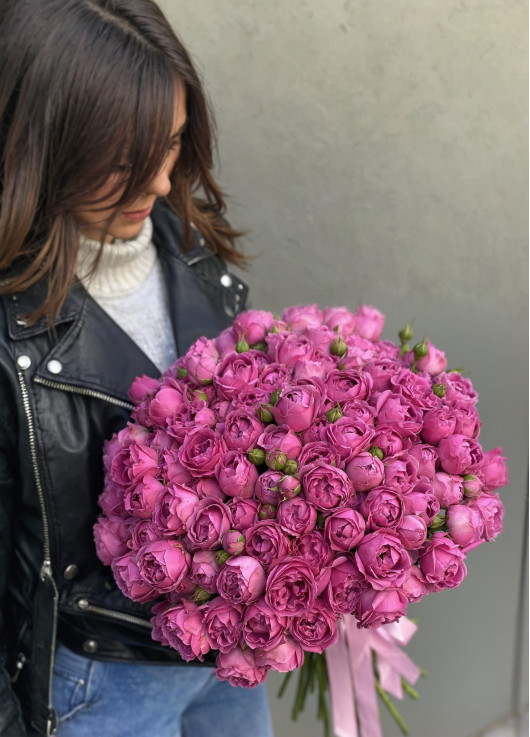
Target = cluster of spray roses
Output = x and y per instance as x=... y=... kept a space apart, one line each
x=289 y=472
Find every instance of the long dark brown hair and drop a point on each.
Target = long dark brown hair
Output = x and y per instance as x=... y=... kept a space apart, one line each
x=80 y=82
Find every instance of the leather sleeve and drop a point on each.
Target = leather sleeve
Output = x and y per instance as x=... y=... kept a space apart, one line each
x=11 y=723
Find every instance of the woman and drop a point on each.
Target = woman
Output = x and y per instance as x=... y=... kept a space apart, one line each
x=110 y=267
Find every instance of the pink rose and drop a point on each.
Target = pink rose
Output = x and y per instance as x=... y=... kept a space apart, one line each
x=111 y=535
x=223 y=623
x=164 y=405
x=172 y=469
x=209 y=488
x=459 y=454
x=163 y=564
x=314 y=549
x=402 y=473
x=467 y=421
x=390 y=440
x=236 y=474
x=273 y=376
x=129 y=580
x=375 y=608
x=415 y=586
x=280 y=438
x=286 y=655
x=382 y=370
x=369 y=322
x=291 y=587
x=241 y=580
x=302 y=316
x=343 y=386
x=226 y=342
x=262 y=627
x=412 y=531
x=358 y=409
x=344 y=529
x=397 y=412
x=315 y=629
x=447 y=488
x=173 y=508
x=132 y=463
x=442 y=562
x=296 y=407
x=266 y=542
x=426 y=455
x=201 y=451
x=201 y=361
x=416 y=389
x=458 y=390
x=382 y=559
x=296 y=516
x=253 y=325
x=325 y=486
x=234 y=542
x=494 y=471
x=205 y=569
x=421 y=501
x=349 y=437
x=319 y=451
x=111 y=499
x=244 y=513
x=143 y=532
x=438 y=423
x=239 y=668
x=266 y=487
x=182 y=628
x=383 y=507
x=242 y=430
x=433 y=363
x=208 y=523
x=464 y=524
x=236 y=372
x=142 y=388
x=344 y=585
x=492 y=511
x=341 y=318
x=365 y=471
x=289 y=349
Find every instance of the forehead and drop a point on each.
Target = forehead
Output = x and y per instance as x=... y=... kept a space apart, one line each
x=180 y=112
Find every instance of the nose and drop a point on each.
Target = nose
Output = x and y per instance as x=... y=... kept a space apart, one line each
x=160 y=184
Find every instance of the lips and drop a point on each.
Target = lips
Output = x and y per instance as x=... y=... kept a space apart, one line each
x=136 y=215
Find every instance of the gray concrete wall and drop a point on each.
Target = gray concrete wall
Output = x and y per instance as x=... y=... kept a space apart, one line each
x=376 y=151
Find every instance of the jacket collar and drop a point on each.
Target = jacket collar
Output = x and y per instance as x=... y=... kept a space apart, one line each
x=93 y=352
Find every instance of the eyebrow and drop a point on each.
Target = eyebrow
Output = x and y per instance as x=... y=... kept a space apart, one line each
x=180 y=130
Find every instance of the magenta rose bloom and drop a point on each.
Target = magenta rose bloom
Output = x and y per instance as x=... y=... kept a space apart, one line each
x=447 y=488
x=442 y=562
x=349 y=437
x=142 y=388
x=369 y=322
x=382 y=370
x=402 y=473
x=280 y=438
x=296 y=516
x=241 y=580
x=325 y=487
x=223 y=623
x=266 y=488
x=239 y=668
x=399 y=413
x=299 y=317
x=365 y=471
x=314 y=549
x=111 y=535
x=132 y=463
x=129 y=580
x=390 y=440
x=383 y=507
x=426 y=456
x=375 y=608
x=201 y=451
x=236 y=474
x=208 y=524
x=165 y=405
x=244 y=513
x=226 y=342
x=319 y=451
x=273 y=376
x=286 y=655
x=182 y=627
x=494 y=471
x=343 y=386
x=464 y=524
x=492 y=511
x=111 y=499
x=163 y=564
x=209 y=488
x=412 y=531
x=382 y=559
x=342 y=586
x=296 y=407
x=143 y=532
x=415 y=586
x=291 y=587
x=253 y=325
x=262 y=627
x=315 y=629
x=467 y=421
x=458 y=389
x=266 y=542
x=201 y=360
x=422 y=502
x=242 y=430
x=205 y=569
x=236 y=372
x=438 y=423
x=344 y=529
x=341 y=318
x=460 y=454
x=173 y=508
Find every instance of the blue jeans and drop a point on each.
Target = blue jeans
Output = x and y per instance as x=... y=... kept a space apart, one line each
x=96 y=699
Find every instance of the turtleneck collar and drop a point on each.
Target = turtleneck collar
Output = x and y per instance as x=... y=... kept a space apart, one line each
x=123 y=265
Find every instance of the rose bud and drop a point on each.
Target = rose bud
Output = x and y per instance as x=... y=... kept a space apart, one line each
x=267 y=511
x=275 y=460
x=339 y=347
x=257 y=456
x=234 y=542
x=200 y=595
x=221 y=556
x=442 y=562
x=239 y=668
x=365 y=471
x=290 y=468
x=264 y=412
x=289 y=486
x=241 y=580
x=472 y=486
x=205 y=569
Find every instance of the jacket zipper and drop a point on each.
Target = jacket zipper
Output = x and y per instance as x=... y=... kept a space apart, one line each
x=46 y=568
x=86 y=606
x=81 y=390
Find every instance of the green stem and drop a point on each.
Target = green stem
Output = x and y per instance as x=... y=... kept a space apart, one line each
x=303 y=681
x=323 y=713
x=391 y=708
x=408 y=688
x=284 y=684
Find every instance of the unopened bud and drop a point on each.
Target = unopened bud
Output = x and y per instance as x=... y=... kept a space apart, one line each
x=241 y=345
x=221 y=557
x=472 y=485
x=289 y=487
x=290 y=468
x=339 y=347
x=274 y=396
x=377 y=452
x=334 y=414
x=259 y=347
x=406 y=333
x=421 y=349
x=264 y=413
x=234 y=542
x=182 y=373
x=200 y=595
x=200 y=395
x=267 y=511
x=275 y=460
x=437 y=522
x=439 y=390
x=256 y=456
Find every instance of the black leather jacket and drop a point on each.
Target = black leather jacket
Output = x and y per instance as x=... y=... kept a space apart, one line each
x=59 y=400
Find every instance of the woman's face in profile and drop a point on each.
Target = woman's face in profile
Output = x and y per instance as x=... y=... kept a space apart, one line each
x=129 y=219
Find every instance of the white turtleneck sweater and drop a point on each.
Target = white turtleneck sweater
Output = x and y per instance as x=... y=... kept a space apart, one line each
x=129 y=286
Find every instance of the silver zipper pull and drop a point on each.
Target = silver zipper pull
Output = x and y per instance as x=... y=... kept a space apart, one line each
x=21 y=660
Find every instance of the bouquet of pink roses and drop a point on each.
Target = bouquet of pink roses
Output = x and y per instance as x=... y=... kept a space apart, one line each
x=290 y=472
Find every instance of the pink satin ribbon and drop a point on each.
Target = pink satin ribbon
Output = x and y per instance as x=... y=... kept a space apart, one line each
x=351 y=675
